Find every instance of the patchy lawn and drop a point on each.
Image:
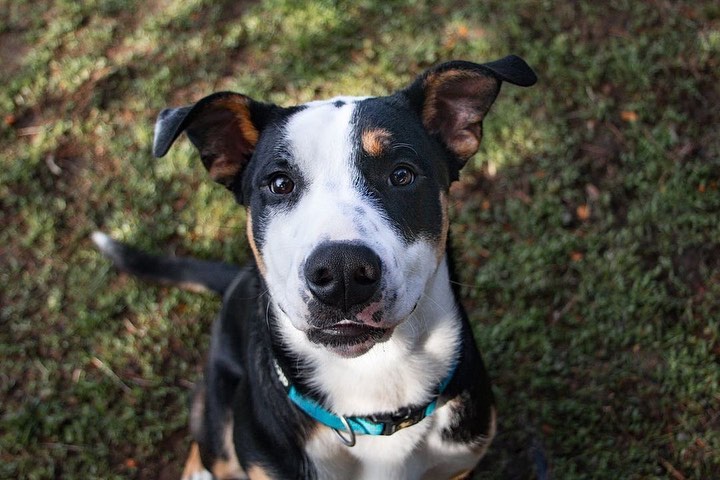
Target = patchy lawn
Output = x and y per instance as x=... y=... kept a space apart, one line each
x=587 y=228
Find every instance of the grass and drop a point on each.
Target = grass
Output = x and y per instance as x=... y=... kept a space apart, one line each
x=586 y=228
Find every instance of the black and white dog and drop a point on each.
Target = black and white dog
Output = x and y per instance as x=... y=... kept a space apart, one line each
x=343 y=350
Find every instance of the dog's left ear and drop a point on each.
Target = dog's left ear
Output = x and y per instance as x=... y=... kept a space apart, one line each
x=453 y=98
x=224 y=127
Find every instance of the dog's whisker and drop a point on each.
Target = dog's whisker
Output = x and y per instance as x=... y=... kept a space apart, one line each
x=465 y=285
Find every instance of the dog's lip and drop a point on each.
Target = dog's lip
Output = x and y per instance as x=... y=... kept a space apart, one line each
x=349 y=339
x=346 y=333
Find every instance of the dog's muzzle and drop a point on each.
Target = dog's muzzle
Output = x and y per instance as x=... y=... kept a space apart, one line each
x=346 y=307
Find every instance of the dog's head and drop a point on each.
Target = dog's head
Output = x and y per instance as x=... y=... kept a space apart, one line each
x=346 y=198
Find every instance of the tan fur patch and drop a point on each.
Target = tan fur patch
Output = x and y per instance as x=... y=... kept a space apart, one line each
x=464 y=145
x=239 y=106
x=462 y=475
x=256 y=472
x=227 y=470
x=253 y=246
x=376 y=141
x=432 y=84
x=197 y=411
x=445 y=226
x=482 y=445
x=223 y=169
x=193 y=464
x=230 y=467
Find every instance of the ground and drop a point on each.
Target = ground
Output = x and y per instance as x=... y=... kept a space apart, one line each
x=586 y=229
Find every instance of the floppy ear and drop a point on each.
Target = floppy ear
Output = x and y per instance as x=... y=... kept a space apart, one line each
x=224 y=127
x=452 y=99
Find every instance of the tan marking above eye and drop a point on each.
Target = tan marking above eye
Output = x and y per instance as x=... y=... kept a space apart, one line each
x=376 y=141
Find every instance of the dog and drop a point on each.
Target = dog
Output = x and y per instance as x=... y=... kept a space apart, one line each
x=342 y=350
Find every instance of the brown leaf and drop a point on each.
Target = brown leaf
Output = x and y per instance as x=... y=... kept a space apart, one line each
x=583 y=212
x=629 y=116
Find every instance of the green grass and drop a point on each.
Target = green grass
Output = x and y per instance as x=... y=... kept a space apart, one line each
x=586 y=228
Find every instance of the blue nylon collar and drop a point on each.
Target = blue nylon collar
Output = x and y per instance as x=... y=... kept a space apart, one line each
x=385 y=424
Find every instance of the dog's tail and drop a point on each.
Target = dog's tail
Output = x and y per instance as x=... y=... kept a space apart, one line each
x=184 y=272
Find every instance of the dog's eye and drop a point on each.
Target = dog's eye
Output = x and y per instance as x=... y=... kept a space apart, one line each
x=402 y=176
x=281 y=184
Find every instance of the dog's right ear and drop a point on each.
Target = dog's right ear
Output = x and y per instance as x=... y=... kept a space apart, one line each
x=224 y=127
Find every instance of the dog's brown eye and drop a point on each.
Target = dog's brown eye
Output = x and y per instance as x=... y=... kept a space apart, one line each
x=281 y=184
x=402 y=176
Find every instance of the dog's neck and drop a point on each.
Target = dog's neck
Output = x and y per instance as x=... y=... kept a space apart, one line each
x=402 y=371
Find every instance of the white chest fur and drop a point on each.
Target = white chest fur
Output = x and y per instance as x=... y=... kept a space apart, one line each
x=418 y=452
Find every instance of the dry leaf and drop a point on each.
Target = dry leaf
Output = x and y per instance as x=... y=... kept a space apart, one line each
x=629 y=116
x=583 y=212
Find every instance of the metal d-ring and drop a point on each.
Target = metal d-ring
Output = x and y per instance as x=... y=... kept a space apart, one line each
x=348 y=442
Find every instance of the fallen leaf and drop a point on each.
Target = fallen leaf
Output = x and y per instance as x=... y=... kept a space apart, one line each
x=583 y=212
x=629 y=116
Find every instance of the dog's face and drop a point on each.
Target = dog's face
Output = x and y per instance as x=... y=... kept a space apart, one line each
x=347 y=218
x=347 y=198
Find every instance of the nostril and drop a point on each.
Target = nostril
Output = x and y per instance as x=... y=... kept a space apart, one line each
x=322 y=277
x=366 y=275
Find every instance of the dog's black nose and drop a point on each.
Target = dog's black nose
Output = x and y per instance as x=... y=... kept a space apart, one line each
x=343 y=275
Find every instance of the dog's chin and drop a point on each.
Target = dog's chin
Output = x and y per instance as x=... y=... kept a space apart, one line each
x=348 y=339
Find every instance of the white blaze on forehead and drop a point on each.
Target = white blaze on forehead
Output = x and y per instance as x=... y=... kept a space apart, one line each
x=320 y=139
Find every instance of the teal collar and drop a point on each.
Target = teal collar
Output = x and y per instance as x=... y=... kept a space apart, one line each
x=381 y=424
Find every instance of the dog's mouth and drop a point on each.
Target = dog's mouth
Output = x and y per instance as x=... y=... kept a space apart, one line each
x=349 y=339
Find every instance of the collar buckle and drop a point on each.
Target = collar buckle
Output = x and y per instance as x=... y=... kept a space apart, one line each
x=396 y=421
